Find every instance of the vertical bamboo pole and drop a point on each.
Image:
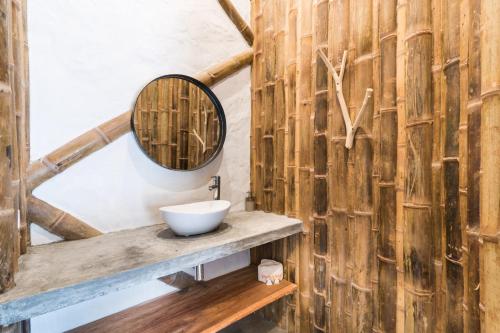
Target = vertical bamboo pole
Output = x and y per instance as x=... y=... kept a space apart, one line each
x=464 y=29
x=418 y=240
x=303 y=144
x=257 y=102
x=14 y=149
x=360 y=164
x=174 y=123
x=268 y=106
x=471 y=266
x=401 y=58
x=387 y=272
x=291 y=105
x=291 y=248
x=437 y=197
x=183 y=125
x=279 y=106
x=20 y=111
x=376 y=156
x=490 y=161
x=338 y=43
x=320 y=148
x=168 y=116
x=162 y=124
x=8 y=223
x=453 y=236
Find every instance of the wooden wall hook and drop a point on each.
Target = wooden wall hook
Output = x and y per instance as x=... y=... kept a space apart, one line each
x=338 y=78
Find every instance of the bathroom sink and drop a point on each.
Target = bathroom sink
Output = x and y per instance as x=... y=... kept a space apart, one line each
x=195 y=218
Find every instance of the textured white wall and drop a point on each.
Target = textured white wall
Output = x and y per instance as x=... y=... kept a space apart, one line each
x=88 y=61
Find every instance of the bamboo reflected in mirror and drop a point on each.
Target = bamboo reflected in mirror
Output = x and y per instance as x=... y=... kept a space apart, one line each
x=178 y=122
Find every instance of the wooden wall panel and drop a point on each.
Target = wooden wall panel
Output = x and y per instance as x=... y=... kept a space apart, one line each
x=393 y=229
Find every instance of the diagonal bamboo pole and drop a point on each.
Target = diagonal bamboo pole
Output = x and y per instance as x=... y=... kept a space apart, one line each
x=238 y=21
x=58 y=222
x=68 y=154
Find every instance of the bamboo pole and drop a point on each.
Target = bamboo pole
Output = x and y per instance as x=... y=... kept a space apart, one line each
x=93 y=140
x=472 y=321
x=291 y=106
x=418 y=240
x=360 y=166
x=320 y=149
x=387 y=272
x=376 y=157
x=437 y=191
x=238 y=21
x=58 y=222
x=279 y=106
x=268 y=106
x=257 y=104
x=8 y=223
x=401 y=58
x=490 y=170
x=451 y=164
x=337 y=44
x=303 y=145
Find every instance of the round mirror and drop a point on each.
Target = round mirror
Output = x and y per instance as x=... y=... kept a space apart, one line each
x=179 y=123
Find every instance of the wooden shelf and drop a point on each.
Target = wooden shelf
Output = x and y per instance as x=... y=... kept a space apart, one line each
x=57 y=275
x=205 y=307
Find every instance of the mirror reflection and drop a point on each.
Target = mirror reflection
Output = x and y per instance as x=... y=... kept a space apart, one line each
x=178 y=122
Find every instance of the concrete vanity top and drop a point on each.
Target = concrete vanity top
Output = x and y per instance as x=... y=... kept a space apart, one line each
x=57 y=275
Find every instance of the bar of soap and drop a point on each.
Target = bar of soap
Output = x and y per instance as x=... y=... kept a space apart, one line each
x=270 y=271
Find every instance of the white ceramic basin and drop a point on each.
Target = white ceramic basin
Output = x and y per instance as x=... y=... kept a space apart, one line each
x=195 y=218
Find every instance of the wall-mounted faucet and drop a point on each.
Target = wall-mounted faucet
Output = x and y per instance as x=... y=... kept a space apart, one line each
x=215 y=186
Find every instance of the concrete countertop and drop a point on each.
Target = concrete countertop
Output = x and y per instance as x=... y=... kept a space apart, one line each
x=57 y=275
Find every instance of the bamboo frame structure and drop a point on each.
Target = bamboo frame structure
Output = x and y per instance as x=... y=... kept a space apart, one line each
x=238 y=21
x=58 y=222
x=95 y=139
x=70 y=153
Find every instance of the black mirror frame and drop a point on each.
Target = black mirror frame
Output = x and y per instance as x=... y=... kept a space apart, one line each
x=218 y=108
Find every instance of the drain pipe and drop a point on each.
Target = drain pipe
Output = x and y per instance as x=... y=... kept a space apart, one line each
x=199 y=273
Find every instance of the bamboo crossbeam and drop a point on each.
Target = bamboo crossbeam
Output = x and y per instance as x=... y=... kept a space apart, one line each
x=70 y=153
x=58 y=222
x=238 y=21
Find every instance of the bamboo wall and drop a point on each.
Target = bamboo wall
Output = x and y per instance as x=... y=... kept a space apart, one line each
x=401 y=231
x=14 y=138
x=176 y=123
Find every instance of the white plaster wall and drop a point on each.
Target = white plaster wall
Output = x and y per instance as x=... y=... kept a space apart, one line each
x=88 y=61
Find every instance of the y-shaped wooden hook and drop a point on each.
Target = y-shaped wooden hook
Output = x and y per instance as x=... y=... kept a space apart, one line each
x=338 y=78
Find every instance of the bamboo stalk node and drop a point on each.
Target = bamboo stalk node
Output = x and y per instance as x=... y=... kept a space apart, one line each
x=338 y=78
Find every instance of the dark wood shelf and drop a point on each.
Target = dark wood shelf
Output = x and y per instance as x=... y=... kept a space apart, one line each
x=205 y=307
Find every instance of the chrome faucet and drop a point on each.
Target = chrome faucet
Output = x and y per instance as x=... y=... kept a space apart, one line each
x=215 y=186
